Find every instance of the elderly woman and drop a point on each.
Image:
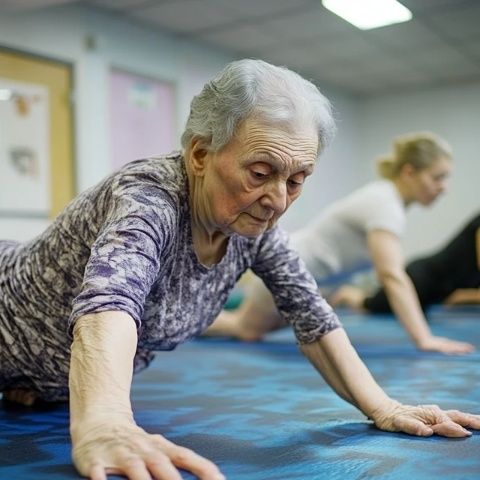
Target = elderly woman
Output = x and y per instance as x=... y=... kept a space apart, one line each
x=366 y=225
x=146 y=259
x=451 y=275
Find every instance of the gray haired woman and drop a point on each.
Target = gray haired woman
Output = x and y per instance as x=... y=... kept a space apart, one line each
x=145 y=260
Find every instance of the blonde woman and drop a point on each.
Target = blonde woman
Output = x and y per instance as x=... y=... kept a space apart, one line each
x=365 y=225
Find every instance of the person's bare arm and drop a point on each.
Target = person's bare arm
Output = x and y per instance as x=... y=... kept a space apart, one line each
x=337 y=361
x=329 y=356
x=105 y=438
x=387 y=258
x=477 y=244
x=464 y=296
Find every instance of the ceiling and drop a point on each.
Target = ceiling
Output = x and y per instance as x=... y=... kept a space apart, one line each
x=440 y=46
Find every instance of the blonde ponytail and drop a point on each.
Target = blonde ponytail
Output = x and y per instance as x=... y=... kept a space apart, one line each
x=385 y=167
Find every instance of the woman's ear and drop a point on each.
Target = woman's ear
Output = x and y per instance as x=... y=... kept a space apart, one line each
x=197 y=156
x=407 y=170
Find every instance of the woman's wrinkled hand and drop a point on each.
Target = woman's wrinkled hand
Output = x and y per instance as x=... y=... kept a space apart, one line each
x=101 y=448
x=425 y=420
x=445 y=345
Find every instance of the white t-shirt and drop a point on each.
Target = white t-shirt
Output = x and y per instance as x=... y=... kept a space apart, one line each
x=336 y=241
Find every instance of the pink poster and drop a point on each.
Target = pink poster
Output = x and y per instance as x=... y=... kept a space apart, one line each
x=142 y=117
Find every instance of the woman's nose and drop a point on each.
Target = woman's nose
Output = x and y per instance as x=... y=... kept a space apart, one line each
x=443 y=187
x=276 y=197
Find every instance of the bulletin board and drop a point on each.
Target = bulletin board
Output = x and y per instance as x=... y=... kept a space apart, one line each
x=24 y=148
x=36 y=154
x=142 y=117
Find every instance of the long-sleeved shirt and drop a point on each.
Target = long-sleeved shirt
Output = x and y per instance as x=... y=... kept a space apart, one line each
x=126 y=244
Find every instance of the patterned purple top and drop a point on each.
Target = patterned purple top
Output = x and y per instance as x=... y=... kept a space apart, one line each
x=126 y=245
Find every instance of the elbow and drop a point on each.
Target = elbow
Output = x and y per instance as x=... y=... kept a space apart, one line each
x=391 y=277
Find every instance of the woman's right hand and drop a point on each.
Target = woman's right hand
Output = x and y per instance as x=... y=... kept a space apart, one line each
x=122 y=447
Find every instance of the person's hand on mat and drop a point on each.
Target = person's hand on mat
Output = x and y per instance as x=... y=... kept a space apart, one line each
x=350 y=296
x=445 y=345
x=121 y=447
x=425 y=420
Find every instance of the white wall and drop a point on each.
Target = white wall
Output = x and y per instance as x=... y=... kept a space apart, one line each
x=453 y=113
x=365 y=128
x=61 y=33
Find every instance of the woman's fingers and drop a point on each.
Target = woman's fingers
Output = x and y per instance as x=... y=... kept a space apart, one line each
x=450 y=429
x=445 y=345
x=189 y=460
x=463 y=347
x=425 y=420
x=412 y=426
x=134 y=468
x=138 y=456
x=440 y=422
x=161 y=468
x=454 y=347
x=464 y=419
x=97 y=472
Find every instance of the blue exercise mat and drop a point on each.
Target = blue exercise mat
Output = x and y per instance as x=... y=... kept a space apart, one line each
x=261 y=412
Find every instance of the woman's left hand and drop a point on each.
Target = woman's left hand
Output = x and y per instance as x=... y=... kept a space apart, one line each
x=444 y=345
x=425 y=420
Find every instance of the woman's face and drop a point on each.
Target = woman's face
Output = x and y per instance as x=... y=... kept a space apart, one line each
x=252 y=181
x=430 y=182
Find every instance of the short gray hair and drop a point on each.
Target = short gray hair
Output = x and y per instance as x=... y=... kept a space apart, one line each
x=256 y=89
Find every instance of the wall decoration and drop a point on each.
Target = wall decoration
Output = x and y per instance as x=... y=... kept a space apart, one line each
x=24 y=148
x=142 y=117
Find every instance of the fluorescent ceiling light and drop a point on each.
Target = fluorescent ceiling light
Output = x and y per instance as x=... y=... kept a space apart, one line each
x=367 y=14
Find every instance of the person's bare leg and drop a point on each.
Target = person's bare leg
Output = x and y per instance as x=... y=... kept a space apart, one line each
x=256 y=316
x=350 y=296
x=21 y=396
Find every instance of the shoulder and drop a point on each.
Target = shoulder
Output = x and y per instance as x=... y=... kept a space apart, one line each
x=148 y=181
x=165 y=173
x=377 y=194
x=376 y=189
x=387 y=208
x=152 y=190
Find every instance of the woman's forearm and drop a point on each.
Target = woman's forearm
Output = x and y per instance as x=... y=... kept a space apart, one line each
x=472 y=295
x=464 y=296
x=404 y=303
x=337 y=361
x=477 y=247
x=105 y=438
x=101 y=367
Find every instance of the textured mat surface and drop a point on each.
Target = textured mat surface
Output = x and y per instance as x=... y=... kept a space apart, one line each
x=261 y=412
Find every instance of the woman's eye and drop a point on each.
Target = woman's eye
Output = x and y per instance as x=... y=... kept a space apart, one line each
x=258 y=174
x=295 y=183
